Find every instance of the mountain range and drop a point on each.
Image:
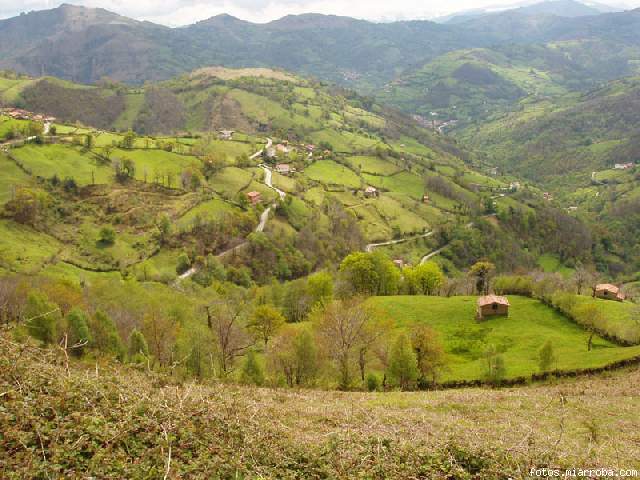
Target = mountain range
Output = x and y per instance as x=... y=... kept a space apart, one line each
x=84 y=45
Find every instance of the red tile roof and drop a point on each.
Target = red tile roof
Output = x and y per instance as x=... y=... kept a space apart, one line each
x=491 y=299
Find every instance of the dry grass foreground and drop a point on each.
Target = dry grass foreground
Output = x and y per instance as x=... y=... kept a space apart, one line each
x=224 y=73
x=122 y=423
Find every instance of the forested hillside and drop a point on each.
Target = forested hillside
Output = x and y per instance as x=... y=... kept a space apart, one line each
x=87 y=44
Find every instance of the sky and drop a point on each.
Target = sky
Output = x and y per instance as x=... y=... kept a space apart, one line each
x=185 y=12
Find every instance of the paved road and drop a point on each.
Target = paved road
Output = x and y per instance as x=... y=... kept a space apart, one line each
x=259 y=152
x=268 y=175
x=369 y=248
x=430 y=255
x=264 y=216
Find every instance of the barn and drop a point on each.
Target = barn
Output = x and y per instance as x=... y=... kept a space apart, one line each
x=608 y=292
x=492 y=305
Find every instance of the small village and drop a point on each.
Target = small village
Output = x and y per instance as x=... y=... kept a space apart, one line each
x=20 y=114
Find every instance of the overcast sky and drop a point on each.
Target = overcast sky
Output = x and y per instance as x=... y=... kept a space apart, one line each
x=183 y=12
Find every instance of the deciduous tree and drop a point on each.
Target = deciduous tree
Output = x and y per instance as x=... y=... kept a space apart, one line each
x=403 y=365
x=265 y=322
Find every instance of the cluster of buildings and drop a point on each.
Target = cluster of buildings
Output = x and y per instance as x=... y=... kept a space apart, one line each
x=20 y=114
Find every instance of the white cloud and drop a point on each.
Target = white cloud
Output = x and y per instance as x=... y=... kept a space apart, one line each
x=184 y=12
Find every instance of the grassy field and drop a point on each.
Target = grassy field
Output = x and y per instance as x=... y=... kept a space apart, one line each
x=230 y=148
x=332 y=173
x=551 y=264
x=283 y=182
x=23 y=249
x=518 y=337
x=12 y=177
x=159 y=268
x=63 y=161
x=209 y=209
x=82 y=246
x=397 y=215
x=265 y=110
x=8 y=124
x=403 y=182
x=622 y=318
x=156 y=162
x=374 y=165
x=230 y=181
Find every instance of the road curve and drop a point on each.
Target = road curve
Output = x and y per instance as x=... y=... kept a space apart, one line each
x=264 y=216
x=369 y=248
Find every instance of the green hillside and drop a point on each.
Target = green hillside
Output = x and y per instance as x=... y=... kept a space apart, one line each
x=472 y=85
x=518 y=337
x=569 y=137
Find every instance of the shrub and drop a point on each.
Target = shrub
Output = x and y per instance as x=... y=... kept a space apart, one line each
x=546 y=356
x=184 y=264
x=252 y=372
x=138 y=348
x=78 y=332
x=373 y=382
x=105 y=335
x=42 y=318
x=107 y=236
x=513 y=285
x=495 y=369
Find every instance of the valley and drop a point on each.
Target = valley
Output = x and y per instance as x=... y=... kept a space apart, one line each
x=319 y=247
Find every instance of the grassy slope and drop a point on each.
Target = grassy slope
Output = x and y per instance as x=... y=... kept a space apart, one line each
x=247 y=432
x=588 y=133
x=12 y=177
x=64 y=161
x=24 y=250
x=520 y=336
x=621 y=317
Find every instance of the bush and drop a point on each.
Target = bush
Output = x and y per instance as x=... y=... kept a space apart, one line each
x=513 y=285
x=42 y=318
x=138 y=348
x=403 y=364
x=494 y=370
x=252 y=371
x=184 y=264
x=546 y=356
x=107 y=236
x=105 y=335
x=373 y=382
x=78 y=332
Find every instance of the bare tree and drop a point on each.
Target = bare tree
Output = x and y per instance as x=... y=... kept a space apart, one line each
x=12 y=299
x=345 y=330
x=583 y=278
x=226 y=318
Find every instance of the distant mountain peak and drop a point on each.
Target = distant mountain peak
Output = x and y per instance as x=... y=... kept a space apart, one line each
x=223 y=19
x=559 y=8
x=315 y=20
